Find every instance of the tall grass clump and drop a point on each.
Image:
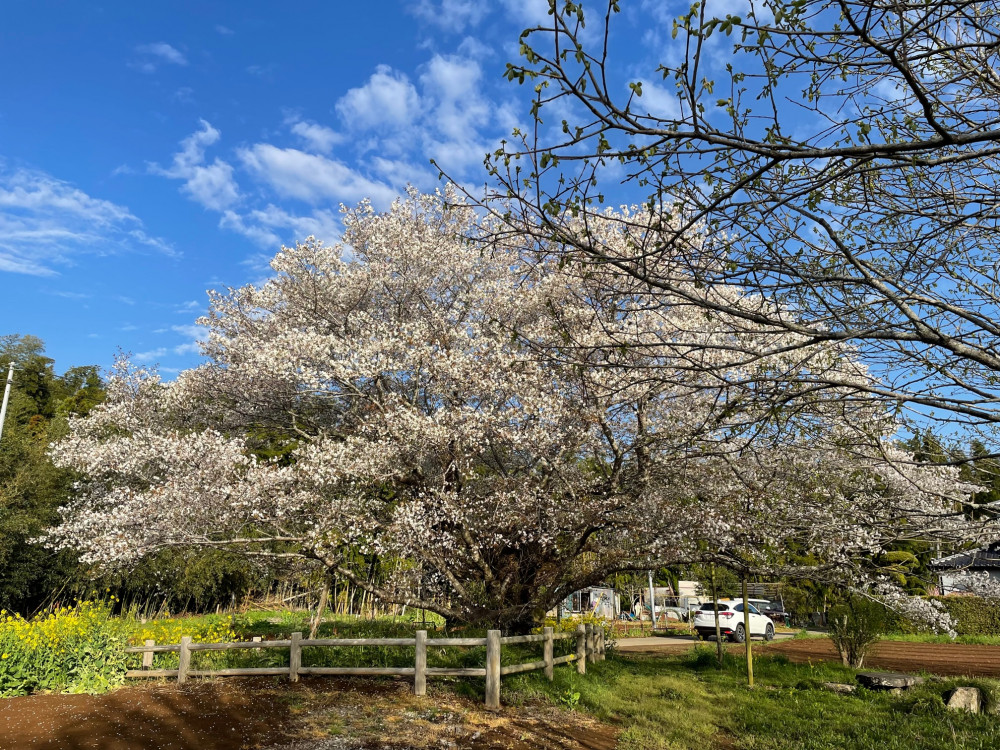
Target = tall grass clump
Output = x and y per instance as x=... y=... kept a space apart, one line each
x=77 y=649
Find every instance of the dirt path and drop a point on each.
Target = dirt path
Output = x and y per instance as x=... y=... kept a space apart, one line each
x=233 y=715
x=266 y=714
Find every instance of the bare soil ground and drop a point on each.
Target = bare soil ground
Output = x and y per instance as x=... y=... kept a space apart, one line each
x=263 y=714
x=946 y=659
x=949 y=659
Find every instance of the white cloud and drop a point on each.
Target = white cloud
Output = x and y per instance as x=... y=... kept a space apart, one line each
x=458 y=113
x=260 y=235
x=657 y=101
x=310 y=177
x=224 y=30
x=316 y=137
x=450 y=15
x=193 y=336
x=528 y=12
x=272 y=226
x=150 y=356
x=264 y=72
x=211 y=185
x=475 y=49
x=45 y=221
x=447 y=119
x=184 y=95
x=71 y=295
x=156 y=53
x=196 y=334
x=387 y=100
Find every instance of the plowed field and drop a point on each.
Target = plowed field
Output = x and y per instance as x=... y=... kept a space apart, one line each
x=956 y=659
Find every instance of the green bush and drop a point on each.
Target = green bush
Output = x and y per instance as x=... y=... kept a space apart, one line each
x=972 y=615
x=855 y=626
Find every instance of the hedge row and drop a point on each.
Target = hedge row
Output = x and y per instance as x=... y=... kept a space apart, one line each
x=972 y=615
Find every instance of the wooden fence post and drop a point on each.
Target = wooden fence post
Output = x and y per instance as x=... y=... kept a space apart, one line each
x=600 y=643
x=548 y=652
x=147 y=657
x=581 y=649
x=295 y=657
x=420 y=664
x=184 y=661
x=591 y=651
x=493 y=669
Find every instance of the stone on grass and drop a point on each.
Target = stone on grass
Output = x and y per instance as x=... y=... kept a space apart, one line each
x=964 y=699
x=888 y=680
x=839 y=687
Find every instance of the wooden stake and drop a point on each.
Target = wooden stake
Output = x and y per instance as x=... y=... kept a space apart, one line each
x=746 y=633
x=184 y=662
x=420 y=664
x=548 y=653
x=718 y=628
x=493 y=669
x=295 y=657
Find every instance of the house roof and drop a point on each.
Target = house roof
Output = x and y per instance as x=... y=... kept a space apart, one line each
x=973 y=559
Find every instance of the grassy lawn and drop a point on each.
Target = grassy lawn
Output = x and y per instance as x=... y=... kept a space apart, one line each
x=686 y=702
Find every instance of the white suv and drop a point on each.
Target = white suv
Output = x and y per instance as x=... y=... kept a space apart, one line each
x=731 y=621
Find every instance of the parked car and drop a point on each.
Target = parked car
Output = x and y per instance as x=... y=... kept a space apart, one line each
x=774 y=610
x=731 y=621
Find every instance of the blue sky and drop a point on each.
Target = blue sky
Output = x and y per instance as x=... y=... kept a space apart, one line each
x=151 y=151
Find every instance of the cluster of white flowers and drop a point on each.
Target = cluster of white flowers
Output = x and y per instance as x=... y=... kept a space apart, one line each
x=514 y=427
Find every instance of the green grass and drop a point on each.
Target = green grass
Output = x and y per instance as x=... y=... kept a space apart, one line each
x=680 y=702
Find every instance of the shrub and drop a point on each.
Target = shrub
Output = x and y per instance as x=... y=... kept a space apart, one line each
x=855 y=626
x=972 y=615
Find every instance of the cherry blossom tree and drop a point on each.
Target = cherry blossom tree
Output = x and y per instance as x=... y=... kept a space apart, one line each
x=507 y=427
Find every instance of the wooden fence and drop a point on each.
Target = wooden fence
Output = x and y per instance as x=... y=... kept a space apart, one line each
x=589 y=647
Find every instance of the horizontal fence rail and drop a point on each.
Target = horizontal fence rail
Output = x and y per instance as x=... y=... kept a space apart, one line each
x=589 y=647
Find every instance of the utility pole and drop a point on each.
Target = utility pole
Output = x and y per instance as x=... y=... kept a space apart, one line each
x=6 y=396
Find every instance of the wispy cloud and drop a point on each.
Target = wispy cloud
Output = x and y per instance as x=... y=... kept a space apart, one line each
x=45 y=222
x=310 y=177
x=150 y=356
x=224 y=30
x=192 y=336
x=184 y=95
x=528 y=12
x=450 y=15
x=263 y=72
x=212 y=185
x=151 y=56
x=315 y=137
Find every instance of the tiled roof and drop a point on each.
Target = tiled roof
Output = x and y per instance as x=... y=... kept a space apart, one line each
x=973 y=559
